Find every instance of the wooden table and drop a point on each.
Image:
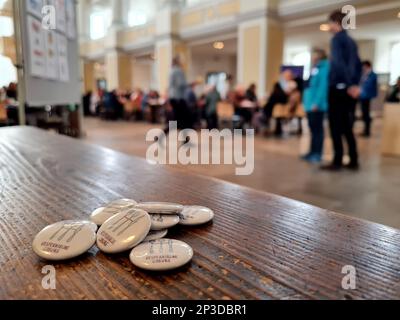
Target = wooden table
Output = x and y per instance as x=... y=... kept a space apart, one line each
x=391 y=130
x=260 y=246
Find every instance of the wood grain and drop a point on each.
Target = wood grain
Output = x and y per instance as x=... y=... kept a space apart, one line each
x=260 y=246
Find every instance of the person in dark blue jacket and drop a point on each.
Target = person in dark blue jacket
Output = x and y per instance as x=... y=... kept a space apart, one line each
x=315 y=101
x=344 y=80
x=369 y=91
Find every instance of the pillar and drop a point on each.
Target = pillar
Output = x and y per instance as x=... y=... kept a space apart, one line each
x=168 y=43
x=260 y=45
x=118 y=65
x=118 y=17
x=89 y=82
x=118 y=69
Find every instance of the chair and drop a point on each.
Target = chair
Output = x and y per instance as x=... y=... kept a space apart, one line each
x=286 y=112
x=226 y=115
x=3 y=113
x=391 y=130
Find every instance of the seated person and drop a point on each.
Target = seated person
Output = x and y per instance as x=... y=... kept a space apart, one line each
x=241 y=104
x=286 y=93
x=394 y=95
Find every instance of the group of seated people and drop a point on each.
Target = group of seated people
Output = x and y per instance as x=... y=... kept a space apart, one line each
x=201 y=104
x=119 y=104
x=8 y=104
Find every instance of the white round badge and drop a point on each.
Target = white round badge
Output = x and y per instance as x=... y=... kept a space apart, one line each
x=122 y=203
x=65 y=240
x=155 y=235
x=101 y=215
x=161 y=255
x=160 y=207
x=123 y=231
x=195 y=215
x=162 y=221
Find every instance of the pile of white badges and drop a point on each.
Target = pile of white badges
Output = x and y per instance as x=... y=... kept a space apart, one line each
x=124 y=225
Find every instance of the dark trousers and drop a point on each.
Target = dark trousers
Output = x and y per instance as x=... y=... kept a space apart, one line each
x=181 y=114
x=212 y=121
x=316 y=123
x=366 y=115
x=341 y=107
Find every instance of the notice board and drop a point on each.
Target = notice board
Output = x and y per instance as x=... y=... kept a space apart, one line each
x=50 y=56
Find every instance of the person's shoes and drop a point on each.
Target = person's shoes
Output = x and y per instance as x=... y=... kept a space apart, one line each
x=352 y=166
x=306 y=156
x=314 y=158
x=331 y=167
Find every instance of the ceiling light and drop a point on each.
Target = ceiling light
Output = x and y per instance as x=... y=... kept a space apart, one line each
x=324 y=27
x=219 y=45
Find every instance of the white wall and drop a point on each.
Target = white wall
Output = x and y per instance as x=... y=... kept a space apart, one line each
x=382 y=56
x=203 y=64
x=142 y=75
x=8 y=73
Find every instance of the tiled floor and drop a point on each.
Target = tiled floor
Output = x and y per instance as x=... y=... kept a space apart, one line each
x=372 y=194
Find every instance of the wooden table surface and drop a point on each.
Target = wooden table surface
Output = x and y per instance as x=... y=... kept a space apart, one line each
x=260 y=246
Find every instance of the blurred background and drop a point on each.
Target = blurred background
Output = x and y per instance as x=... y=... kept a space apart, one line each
x=232 y=53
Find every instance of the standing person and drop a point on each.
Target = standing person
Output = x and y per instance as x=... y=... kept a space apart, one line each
x=228 y=88
x=176 y=93
x=192 y=104
x=369 y=91
x=86 y=99
x=315 y=102
x=212 y=99
x=344 y=78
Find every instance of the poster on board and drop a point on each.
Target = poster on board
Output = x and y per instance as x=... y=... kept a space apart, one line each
x=37 y=50
x=70 y=16
x=63 y=65
x=51 y=55
x=61 y=18
x=34 y=7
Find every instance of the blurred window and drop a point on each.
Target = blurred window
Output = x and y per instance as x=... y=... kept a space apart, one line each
x=217 y=79
x=137 y=18
x=100 y=21
x=394 y=63
x=6 y=27
x=8 y=73
x=302 y=59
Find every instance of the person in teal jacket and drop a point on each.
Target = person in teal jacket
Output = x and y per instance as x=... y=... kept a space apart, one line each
x=315 y=101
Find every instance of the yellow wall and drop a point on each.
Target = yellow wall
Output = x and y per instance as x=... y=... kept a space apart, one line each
x=7 y=46
x=118 y=71
x=201 y=16
x=274 y=54
x=251 y=55
x=163 y=58
x=89 y=76
x=131 y=36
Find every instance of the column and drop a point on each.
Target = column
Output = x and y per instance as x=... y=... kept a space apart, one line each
x=260 y=45
x=118 y=69
x=118 y=65
x=118 y=7
x=89 y=83
x=168 y=43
